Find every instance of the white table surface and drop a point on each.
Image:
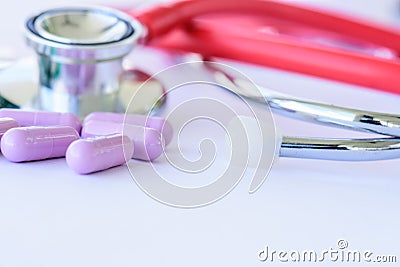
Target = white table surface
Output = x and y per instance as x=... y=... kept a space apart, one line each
x=50 y=216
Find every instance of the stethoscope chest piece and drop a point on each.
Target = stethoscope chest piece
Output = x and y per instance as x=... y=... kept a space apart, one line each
x=80 y=52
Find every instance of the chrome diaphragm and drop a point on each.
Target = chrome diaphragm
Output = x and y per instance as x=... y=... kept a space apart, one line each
x=80 y=52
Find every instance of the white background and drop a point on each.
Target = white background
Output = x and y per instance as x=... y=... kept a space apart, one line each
x=50 y=216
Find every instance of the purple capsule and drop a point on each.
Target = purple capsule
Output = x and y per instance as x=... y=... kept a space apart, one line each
x=99 y=153
x=147 y=142
x=42 y=118
x=158 y=123
x=6 y=124
x=36 y=143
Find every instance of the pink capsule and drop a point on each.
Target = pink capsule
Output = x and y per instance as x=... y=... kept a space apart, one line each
x=147 y=141
x=36 y=143
x=158 y=123
x=99 y=153
x=6 y=124
x=42 y=118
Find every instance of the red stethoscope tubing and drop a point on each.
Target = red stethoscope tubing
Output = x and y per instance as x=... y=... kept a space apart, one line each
x=179 y=26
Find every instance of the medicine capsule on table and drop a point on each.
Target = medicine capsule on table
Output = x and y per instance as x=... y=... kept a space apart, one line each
x=7 y=124
x=158 y=123
x=99 y=153
x=36 y=143
x=42 y=118
x=148 y=142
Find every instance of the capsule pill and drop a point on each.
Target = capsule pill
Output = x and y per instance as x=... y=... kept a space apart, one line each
x=99 y=153
x=41 y=118
x=158 y=123
x=148 y=142
x=37 y=143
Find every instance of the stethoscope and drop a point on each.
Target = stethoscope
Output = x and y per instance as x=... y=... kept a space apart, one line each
x=82 y=43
